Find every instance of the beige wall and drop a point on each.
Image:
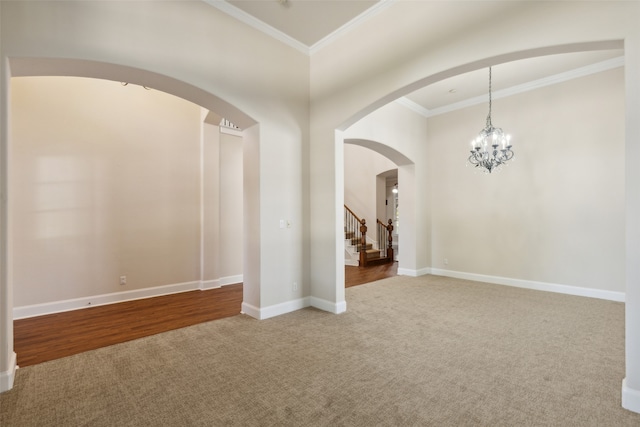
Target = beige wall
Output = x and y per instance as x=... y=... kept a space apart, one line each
x=211 y=202
x=556 y=214
x=231 y=236
x=106 y=182
x=222 y=190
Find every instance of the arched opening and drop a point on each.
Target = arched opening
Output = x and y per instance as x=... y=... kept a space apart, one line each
x=423 y=262
x=629 y=175
x=369 y=168
x=33 y=67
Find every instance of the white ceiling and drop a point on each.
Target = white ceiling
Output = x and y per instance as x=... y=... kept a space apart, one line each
x=307 y=21
x=307 y=24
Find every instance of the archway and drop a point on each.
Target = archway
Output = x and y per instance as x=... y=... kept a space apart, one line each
x=419 y=172
x=405 y=178
x=630 y=397
x=22 y=67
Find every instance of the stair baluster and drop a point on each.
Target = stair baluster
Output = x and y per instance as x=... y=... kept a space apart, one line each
x=363 y=242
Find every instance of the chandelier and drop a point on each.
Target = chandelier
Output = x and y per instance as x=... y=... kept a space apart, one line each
x=491 y=148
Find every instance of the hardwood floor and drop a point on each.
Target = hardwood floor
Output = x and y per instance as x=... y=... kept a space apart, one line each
x=357 y=276
x=43 y=338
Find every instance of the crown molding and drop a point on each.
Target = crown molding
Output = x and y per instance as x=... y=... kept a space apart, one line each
x=532 y=85
x=413 y=106
x=330 y=38
x=259 y=25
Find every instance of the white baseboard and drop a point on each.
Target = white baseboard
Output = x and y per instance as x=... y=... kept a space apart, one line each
x=96 y=300
x=7 y=377
x=538 y=286
x=209 y=284
x=116 y=297
x=331 y=307
x=413 y=273
x=250 y=310
x=351 y=262
x=274 y=310
x=293 y=305
x=630 y=398
x=223 y=281
x=231 y=280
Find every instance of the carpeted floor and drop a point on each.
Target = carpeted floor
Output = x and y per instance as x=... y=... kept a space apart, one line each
x=409 y=351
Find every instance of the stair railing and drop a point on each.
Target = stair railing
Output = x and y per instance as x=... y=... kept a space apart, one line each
x=385 y=238
x=351 y=226
x=355 y=229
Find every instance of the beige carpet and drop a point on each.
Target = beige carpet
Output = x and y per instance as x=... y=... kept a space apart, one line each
x=409 y=351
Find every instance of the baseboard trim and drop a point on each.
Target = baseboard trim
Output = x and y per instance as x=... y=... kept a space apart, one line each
x=231 y=280
x=116 y=297
x=630 y=398
x=293 y=305
x=351 y=262
x=274 y=310
x=7 y=377
x=250 y=310
x=331 y=307
x=414 y=273
x=538 y=286
x=223 y=281
x=209 y=284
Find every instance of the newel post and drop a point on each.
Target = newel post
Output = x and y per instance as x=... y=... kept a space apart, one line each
x=363 y=242
x=390 y=247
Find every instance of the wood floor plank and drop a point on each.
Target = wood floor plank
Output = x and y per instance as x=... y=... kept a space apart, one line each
x=357 y=276
x=43 y=338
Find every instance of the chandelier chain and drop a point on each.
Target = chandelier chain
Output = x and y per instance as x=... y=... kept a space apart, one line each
x=489 y=115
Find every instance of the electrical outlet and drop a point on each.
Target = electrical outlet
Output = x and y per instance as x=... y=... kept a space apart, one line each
x=123 y=280
x=295 y=286
x=446 y=261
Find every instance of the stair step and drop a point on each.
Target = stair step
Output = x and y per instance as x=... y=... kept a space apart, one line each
x=359 y=246
x=372 y=254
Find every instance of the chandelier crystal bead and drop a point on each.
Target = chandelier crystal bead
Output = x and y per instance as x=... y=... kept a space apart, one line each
x=491 y=148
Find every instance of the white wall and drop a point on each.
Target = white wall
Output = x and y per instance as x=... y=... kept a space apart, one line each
x=106 y=182
x=556 y=213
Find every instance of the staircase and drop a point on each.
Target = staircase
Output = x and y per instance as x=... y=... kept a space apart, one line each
x=360 y=249
x=353 y=247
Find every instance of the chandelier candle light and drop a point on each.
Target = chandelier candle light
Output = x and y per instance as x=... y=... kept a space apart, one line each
x=491 y=148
